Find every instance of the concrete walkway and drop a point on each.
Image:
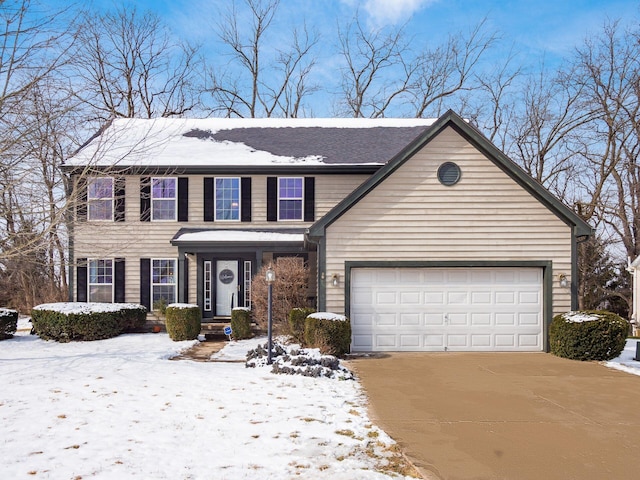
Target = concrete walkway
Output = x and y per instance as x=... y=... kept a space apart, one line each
x=506 y=416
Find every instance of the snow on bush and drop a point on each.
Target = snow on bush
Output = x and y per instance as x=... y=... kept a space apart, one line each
x=292 y=360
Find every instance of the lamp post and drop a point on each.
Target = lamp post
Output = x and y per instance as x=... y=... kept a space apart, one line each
x=270 y=277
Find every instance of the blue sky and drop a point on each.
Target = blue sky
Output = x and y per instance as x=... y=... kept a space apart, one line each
x=541 y=27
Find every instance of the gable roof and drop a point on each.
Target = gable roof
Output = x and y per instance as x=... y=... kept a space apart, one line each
x=269 y=142
x=480 y=142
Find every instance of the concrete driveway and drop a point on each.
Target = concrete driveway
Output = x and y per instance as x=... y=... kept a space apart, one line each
x=515 y=416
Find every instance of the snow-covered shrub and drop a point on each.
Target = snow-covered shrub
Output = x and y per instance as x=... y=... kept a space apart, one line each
x=329 y=332
x=588 y=335
x=183 y=321
x=71 y=321
x=241 y=323
x=8 y=323
x=291 y=360
x=297 y=318
x=133 y=317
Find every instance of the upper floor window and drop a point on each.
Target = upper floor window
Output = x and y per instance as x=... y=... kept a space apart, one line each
x=227 y=198
x=163 y=198
x=290 y=198
x=100 y=198
x=101 y=281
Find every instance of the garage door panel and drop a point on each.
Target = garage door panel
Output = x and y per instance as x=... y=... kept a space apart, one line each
x=416 y=309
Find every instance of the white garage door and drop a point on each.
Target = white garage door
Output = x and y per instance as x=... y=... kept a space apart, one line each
x=440 y=309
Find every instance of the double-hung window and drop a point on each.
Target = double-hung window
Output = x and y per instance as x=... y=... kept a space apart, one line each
x=100 y=198
x=290 y=198
x=163 y=280
x=163 y=198
x=101 y=280
x=227 y=198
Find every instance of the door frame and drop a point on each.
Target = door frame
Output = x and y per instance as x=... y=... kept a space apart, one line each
x=214 y=257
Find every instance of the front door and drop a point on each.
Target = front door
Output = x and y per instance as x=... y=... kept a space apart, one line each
x=226 y=287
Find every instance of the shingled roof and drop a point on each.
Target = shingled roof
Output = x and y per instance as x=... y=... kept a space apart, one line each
x=217 y=142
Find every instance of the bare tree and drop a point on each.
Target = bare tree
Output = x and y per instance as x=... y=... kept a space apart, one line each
x=376 y=73
x=254 y=83
x=128 y=65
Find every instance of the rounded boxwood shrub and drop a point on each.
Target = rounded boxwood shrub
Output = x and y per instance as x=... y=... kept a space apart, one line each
x=297 y=318
x=241 y=323
x=183 y=321
x=8 y=323
x=588 y=335
x=80 y=321
x=329 y=332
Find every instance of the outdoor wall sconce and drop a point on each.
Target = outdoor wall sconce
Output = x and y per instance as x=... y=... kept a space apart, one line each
x=335 y=280
x=562 y=279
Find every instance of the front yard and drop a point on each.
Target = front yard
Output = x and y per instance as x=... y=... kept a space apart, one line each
x=119 y=408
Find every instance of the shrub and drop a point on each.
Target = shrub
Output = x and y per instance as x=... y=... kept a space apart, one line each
x=8 y=323
x=241 y=323
x=588 y=335
x=133 y=317
x=183 y=321
x=65 y=322
x=290 y=290
x=329 y=332
x=297 y=317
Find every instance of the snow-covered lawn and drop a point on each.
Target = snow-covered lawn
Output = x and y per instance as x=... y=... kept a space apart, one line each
x=118 y=408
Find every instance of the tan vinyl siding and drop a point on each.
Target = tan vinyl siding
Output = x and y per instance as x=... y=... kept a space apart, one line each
x=134 y=239
x=410 y=216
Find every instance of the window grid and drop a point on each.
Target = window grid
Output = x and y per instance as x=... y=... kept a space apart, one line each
x=207 y=286
x=101 y=280
x=227 y=198
x=290 y=198
x=163 y=198
x=100 y=198
x=247 y=284
x=163 y=280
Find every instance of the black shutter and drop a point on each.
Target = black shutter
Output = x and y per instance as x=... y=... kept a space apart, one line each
x=81 y=205
x=145 y=283
x=118 y=280
x=309 y=199
x=183 y=199
x=145 y=199
x=118 y=213
x=245 y=199
x=272 y=199
x=208 y=199
x=81 y=280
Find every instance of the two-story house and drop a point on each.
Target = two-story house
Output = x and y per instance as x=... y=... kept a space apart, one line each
x=420 y=231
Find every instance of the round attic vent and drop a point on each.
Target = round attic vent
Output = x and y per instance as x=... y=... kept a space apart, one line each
x=449 y=173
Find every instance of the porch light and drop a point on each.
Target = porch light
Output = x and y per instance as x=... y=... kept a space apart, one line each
x=335 y=280
x=270 y=277
x=562 y=279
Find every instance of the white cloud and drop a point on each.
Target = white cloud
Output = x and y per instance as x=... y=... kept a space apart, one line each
x=384 y=12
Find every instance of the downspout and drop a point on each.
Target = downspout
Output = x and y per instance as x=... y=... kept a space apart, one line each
x=321 y=265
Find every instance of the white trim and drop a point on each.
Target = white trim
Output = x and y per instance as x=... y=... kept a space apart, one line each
x=152 y=284
x=175 y=200
x=110 y=199
x=89 y=284
x=301 y=199
x=215 y=207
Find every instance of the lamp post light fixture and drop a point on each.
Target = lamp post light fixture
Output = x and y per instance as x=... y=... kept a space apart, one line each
x=270 y=277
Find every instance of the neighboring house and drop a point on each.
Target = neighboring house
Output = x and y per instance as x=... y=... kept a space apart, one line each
x=423 y=233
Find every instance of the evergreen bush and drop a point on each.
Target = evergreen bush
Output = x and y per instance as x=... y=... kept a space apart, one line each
x=329 y=332
x=297 y=318
x=241 y=323
x=183 y=321
x=8 y=323
x=134 y=317
x=588 y=335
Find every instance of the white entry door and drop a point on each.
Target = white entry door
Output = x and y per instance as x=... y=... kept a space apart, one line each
x=226 y=287
x=440 y=309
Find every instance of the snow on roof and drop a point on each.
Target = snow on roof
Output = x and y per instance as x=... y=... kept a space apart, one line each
x=238 y=236
x=172 y=142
